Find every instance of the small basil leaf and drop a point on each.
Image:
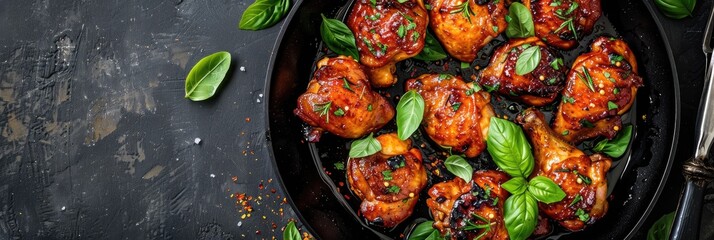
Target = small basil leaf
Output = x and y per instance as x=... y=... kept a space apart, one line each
x=528 y=60
x=676 y=9
x=521 y=21
x=661 y=229
x=516 y=185
x=365 y=147
x=432 y=49
x=291 y=232
x=206 y=76
x=458 y=166
x=338 y=37
x=410 y=112
x=509 y=148
x=263 y=14
x=422 y=231
x=618 y=145
x=545 y=190
x=521 y=215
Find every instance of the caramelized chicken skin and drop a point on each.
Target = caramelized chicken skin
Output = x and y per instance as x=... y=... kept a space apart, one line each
x=388 y=182
x=387 y=32
x=601 y=86
x=455 y=203
x=582 y=178
x=340 y=100
x=561 y=23
x=466 y=26
x=537 y=88
x=456 y=115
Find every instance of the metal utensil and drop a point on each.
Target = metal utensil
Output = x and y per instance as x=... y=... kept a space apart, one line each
x=697 y=172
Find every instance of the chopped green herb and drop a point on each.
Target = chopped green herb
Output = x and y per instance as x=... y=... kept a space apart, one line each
x=614 y=58
x=374 y=3
x=393 y=189
x=576 y=199
x=584 y=178
x=374 y=17
x=387 y=174
x=587 y=79
x=556 y=3
x=586 y=123
x=556 y=63
x=611 y=105
x=495 y=28
x=473 y=90
x=456 y=106
x=565 y=133
x=616 y=91
x=582 y=215
x=608 y=76
x=464 y=9
x=415 y=36
x=323 y=109
x=444 y=76
x=427 y=6
x=492 y=88
x=567 y=99
x=465 y=65
x=346 y=84
x=401 y=31
x=339 y=112
x=369 y=107
x=383 y=47
x=339 y=166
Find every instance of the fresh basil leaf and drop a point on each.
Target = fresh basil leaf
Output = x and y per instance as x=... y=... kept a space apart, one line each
x=516 y=185
x=263 y=14
x=410 y=112
x=432 y=49
x=520 y=24
x=365 y=147
x=422 y=231
x=206 y=76
x=509 y=148
x=528 y=60
x=618 y=145
x=545 y=190
x=458 y=166
x=291 y=232
x=521 y=215
x=661 y=229
x=338 y=37
x=676 y=9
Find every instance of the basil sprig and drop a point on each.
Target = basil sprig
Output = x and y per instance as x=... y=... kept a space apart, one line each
x=528 y=60
x=206 y=76
x=365 y=147
x=458 y=166
x=617 y=146
x=291 y=232
x=511 y=152
x=661 y=229
x=432 y=49
x=410 y=112
x=520 y=21
x=263 y=14
x=338 y=37
x=676 y=9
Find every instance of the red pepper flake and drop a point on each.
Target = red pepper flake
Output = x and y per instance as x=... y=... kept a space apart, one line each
x=272 y=190
x=260 y=186
x=257 y=232
x=274 y=225
x=270 y=180
x=235 y=179
x=347 y=197
x=247 y=119
x=342 y=184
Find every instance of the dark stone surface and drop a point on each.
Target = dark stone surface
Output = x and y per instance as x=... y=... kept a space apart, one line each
x=97 y=141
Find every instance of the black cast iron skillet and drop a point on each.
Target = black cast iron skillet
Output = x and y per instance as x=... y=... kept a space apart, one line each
x=327 y=208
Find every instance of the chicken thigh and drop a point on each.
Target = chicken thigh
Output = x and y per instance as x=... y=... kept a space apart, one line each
x=536 y=88
x=601 y=86
x=458 y=206
x=340 y=100
x=456 y=114
x=583 y=178
x=561 y=23
x=466 y=26
x=388 y=182
x=386 y=32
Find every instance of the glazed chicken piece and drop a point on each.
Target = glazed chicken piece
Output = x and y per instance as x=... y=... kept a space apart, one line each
x=387 y=32
x=537 y=88
x=465 y=26
x=456 y=114
x=388 y=182
x=582 y=178
x=340 y=100
x=561 y=23
x=456 y=205
x=601 y=86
